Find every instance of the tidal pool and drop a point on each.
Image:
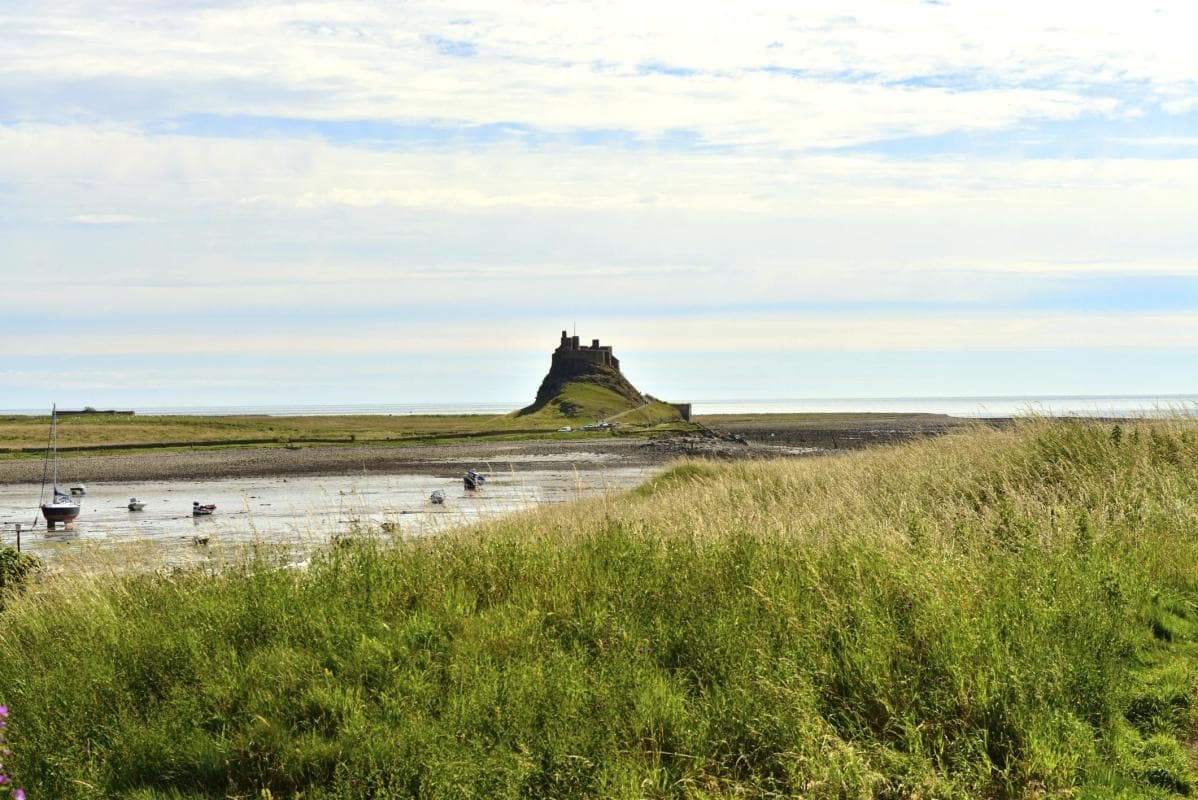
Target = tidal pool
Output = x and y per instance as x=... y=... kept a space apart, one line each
x=292 y=515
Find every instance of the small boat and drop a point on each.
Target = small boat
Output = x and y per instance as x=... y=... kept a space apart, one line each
x=61 y=508
x=78 y=490
x=437 y=498
x=198 y=510
x=135 y=504
x=473 y=479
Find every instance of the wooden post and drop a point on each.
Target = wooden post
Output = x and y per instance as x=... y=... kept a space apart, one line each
x=18 y=537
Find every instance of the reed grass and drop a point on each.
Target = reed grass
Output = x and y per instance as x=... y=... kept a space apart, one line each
x=999 y=614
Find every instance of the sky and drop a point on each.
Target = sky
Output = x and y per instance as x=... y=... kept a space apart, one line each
x=255 y=202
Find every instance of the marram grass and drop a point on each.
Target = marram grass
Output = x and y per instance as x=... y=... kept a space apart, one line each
x=994 y=614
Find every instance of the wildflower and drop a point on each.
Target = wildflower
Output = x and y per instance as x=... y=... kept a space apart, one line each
x=18 y=794
x=3 y=711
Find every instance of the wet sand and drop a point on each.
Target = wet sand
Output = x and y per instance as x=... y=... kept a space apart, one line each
x=444 y=459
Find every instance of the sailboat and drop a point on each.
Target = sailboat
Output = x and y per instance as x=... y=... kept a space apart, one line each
x=61 y=507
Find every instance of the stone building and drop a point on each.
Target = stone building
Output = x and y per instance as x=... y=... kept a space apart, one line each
x=569 y=352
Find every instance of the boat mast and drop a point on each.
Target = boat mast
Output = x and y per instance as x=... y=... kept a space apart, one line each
x=46 y=460
x=54 y=442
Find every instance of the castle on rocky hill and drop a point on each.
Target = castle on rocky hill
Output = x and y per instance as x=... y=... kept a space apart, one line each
x=574 y=362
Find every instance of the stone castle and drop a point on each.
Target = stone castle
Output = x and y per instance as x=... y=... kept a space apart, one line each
x=570 y=353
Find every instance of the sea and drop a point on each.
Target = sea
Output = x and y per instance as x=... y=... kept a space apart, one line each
x=1153 y=405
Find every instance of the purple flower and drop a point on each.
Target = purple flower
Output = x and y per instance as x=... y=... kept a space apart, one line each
x=18 y=794
x=3 y=711
x=3 y=779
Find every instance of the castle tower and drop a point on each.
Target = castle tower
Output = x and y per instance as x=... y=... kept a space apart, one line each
x=570 y=352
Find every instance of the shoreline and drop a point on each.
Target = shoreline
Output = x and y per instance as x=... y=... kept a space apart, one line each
x=723 y=437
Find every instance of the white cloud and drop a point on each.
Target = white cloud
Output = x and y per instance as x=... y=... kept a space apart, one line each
x=301 y=223
x=752 y=215
x=1180 y=106
x=104 y=219
x=967 y=66
x=76 y=162
x=728 y=333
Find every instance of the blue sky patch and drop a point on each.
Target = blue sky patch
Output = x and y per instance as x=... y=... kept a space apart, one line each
x=1155 y=135
x=660 y=68
x=457 y=48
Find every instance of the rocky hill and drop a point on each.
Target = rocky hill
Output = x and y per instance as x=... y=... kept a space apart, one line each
x=585 y=382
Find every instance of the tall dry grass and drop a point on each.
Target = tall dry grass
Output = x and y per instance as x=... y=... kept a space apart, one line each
x=996 y=614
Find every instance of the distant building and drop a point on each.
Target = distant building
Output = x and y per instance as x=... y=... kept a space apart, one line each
x=569 y=352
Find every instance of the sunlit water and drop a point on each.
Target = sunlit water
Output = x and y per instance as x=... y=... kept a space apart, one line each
x=293 y=515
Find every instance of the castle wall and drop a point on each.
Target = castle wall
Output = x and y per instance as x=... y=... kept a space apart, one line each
x=570 y=351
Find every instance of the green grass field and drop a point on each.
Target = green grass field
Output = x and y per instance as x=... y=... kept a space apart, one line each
x=90 y=431
x=593 y=402
x=994 y=614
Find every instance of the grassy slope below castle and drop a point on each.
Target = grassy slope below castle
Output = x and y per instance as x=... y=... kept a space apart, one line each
x=581 y=402
x=997 y=614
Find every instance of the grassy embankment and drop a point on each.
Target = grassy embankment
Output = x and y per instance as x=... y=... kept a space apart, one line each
x=592 y=402
x=998 y=614
x=105 y=431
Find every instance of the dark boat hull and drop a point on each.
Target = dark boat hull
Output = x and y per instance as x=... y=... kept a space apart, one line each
x=60 y=513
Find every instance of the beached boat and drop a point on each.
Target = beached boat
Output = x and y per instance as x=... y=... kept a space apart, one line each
x=473 y=479
x=60 y=508
x=202 y=510
x=78 y=490
x=437 y=498
x=135 y=504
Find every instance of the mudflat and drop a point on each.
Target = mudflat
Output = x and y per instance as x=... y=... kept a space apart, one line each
x=723 y=436
x=836 y=431
x=278 y=461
